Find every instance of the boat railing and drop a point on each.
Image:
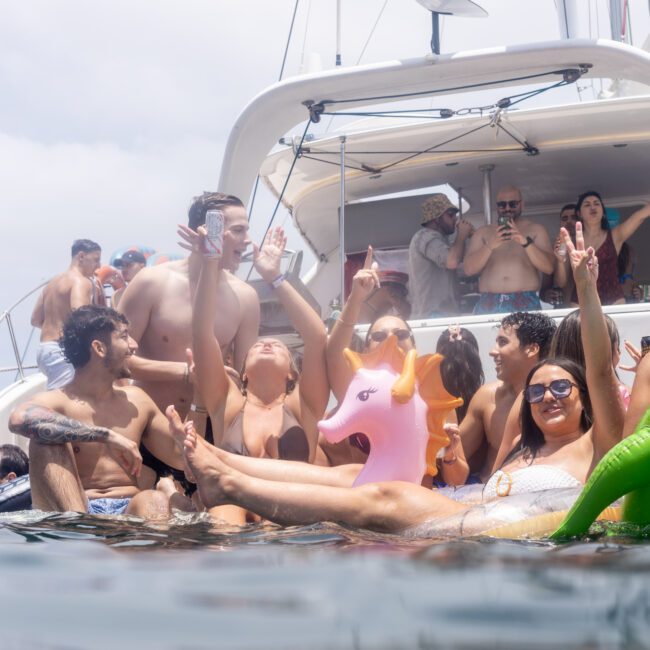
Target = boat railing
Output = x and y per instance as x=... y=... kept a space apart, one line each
x=6 y=316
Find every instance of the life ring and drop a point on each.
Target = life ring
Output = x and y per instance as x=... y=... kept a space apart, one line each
x=16 y=495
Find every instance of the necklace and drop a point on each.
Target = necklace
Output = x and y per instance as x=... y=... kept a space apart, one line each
x=267 y=407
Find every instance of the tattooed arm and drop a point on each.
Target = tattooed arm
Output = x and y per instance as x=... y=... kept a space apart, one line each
x=49 y=427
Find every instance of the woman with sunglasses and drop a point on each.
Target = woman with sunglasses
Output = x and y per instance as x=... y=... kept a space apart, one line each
x=607 y=242
x=571 y=414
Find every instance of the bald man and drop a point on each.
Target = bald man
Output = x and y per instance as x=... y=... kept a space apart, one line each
x=510 y=257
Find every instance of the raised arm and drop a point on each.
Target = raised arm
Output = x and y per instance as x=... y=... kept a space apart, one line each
x=210 y=374
x=625 y=230
x=49 y=427
x=313 y=386
x=640 y=396
x=249 y=326
x=365 y=281
x=602 y=382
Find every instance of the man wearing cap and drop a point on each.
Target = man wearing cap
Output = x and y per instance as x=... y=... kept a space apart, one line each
x=130 y=263
x=435 y=251
x=510 y=256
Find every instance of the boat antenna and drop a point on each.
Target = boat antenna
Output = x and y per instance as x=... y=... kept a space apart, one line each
x=437 y=8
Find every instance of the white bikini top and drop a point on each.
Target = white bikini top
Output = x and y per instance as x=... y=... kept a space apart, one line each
x=528 y=479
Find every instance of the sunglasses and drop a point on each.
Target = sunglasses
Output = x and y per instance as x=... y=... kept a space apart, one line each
x=560 y=389
x=509 y=204
x=382 y=335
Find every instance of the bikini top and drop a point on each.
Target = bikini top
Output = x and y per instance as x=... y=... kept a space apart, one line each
x=292 y=444
x=528 y=479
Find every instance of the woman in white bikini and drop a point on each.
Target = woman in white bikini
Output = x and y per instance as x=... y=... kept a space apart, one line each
x=559 y=432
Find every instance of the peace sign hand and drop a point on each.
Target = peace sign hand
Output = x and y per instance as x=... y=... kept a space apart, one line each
x=584 y=263
x=366 y=279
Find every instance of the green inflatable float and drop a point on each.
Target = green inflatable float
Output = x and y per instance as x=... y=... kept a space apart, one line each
x=623 y=471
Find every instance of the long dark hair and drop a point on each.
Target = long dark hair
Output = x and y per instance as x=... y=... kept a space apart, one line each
x=532 y=437
x=461 y=369
x=567 y=340
x=604 y=224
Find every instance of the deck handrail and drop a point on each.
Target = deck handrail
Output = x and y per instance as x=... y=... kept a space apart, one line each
x=6 y=316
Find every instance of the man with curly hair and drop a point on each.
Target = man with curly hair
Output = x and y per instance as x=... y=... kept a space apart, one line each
x=84 y=438
x=523 y=339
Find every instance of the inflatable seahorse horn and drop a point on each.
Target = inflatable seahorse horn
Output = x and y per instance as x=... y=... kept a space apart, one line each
x=398 y=401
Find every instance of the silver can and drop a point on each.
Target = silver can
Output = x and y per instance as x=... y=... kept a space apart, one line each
x=214 y=224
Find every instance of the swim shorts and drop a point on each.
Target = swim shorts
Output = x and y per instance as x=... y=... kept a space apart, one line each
x=107 y=506
x=53 y=365
x=499 y=303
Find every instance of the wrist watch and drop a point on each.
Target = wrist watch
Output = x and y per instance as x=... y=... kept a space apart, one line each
x=529 y=241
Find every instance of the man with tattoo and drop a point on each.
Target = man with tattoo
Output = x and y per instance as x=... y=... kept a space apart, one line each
x=84 y=438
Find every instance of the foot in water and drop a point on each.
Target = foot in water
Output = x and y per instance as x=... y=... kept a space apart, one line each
x=208 y=470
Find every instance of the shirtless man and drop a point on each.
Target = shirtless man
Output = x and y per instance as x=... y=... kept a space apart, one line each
x=523 y=339
x=158 y=306
x=83 y=451
x=67 y=291
x=509 y=255
x=130 y=264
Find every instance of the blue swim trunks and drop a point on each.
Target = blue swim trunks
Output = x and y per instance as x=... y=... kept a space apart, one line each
x=500 y=303
x=107 y=506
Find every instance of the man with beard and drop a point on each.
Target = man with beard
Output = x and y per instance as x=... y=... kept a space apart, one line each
x=510 y=256
x=435 y=252
x=84 y=438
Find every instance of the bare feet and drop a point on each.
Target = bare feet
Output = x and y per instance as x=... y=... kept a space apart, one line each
x=209 y=471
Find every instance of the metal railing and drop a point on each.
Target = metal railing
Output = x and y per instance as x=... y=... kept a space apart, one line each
x=6 y=316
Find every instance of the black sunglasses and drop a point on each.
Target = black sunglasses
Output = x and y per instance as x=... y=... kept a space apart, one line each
x=510 y=204
x=560 y=389
x=381 y=335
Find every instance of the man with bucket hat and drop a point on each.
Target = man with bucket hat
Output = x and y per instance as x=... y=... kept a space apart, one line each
x=435 y=252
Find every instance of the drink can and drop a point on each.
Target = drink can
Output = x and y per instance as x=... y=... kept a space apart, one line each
x=646 y=292
x=214 y=225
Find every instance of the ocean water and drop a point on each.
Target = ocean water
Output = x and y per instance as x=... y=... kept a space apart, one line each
x=76 y=581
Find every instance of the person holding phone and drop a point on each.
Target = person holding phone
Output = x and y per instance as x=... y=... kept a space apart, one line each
x=509 y=256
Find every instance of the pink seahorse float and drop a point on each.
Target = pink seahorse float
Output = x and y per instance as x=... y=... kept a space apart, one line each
x=400 y=403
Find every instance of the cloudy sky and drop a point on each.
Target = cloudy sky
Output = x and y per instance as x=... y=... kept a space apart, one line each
x=114 y=113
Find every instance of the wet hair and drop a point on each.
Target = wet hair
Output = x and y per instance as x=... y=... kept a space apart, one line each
x=366 y=341
x=532 y=327
x=567 y=341
x=532 y=437
x=461 y=369
x=13 y=459
x=604 y=224
x=568 y=206
x=209 y=201
x=85 y=325
x=84 y=246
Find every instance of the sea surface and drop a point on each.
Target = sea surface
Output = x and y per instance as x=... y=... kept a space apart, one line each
x=78 y=581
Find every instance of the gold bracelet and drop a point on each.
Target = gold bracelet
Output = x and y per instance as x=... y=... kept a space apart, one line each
x=340 y=320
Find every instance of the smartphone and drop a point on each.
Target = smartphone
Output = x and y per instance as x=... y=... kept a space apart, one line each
x=503 y=221
x=214 y=223
x=645 y=345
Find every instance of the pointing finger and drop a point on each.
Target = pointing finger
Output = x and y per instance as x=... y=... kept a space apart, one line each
x=368 y=261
